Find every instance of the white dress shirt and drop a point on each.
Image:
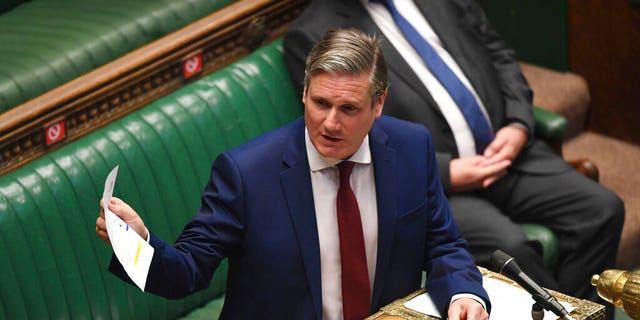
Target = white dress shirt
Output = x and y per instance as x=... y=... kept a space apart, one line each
x=325 y=182
x=383 y=19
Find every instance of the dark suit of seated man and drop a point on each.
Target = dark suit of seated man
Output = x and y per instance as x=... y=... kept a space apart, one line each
x=283 y=214
x=516 y=178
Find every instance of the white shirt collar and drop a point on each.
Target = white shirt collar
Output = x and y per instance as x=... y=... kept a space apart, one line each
x=318 y=162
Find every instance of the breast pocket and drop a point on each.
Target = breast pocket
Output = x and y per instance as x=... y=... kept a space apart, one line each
x=415 y=213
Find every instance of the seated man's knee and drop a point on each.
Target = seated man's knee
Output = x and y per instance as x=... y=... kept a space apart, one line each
x=612 y=208
x=522 y=246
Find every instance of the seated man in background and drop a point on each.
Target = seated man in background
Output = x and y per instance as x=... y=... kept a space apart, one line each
x=323 y=218
x=450 y=71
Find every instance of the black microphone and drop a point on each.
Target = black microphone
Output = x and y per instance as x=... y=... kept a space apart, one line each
x=507 y=266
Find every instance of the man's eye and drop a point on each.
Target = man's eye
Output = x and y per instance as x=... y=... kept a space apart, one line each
x=349 y=108
x=323 y=103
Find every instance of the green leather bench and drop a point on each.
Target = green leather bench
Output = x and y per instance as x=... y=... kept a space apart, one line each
x=46 y=43
x=52 y=263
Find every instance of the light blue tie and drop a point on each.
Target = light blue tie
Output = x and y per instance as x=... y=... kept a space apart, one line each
x=468 y=105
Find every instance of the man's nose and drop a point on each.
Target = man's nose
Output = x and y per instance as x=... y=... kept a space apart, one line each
x=332 y=122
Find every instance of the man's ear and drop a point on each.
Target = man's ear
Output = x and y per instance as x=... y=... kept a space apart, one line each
x=380 y=103
x=304 y=94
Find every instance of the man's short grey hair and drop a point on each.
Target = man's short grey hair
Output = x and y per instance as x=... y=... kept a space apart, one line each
x=349 y=51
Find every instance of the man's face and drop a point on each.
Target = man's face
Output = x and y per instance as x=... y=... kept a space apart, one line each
x=339 y=112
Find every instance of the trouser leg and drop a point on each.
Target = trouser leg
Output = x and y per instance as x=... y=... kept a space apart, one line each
x=586 y=217
x=486 y=229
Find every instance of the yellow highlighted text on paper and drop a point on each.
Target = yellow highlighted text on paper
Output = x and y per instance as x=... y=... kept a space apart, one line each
x=135 y=259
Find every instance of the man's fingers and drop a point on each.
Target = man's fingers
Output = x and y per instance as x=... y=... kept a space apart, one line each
x=101 y=230
x=489 y=181
x=121 y=209
x=495 y=168
x=128 y=215
x=454 y=313
x=103 y=235
x=494 y=147
x=495 y=172
x=467 y=311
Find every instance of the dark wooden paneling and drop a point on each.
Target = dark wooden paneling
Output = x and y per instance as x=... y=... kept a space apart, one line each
x=604 y=47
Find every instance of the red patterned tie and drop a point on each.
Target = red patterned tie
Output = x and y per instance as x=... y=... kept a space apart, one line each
x=356 y=290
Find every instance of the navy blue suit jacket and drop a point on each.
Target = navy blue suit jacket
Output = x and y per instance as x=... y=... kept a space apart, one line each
x=258 y=211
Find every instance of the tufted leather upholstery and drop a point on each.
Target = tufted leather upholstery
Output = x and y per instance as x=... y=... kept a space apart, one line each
x=47 y=43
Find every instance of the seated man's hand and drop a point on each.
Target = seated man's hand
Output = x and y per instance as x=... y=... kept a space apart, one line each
x=466 y=309
x=471 y=173
x=507 y=144
x=126 y=213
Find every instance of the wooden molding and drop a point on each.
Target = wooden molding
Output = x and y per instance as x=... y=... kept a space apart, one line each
x=132 y=81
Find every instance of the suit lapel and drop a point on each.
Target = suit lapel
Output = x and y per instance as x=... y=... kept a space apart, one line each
x=440 y=20
x=296 y=184
x=384 y=166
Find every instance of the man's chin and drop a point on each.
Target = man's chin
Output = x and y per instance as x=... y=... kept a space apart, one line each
x=332 y=152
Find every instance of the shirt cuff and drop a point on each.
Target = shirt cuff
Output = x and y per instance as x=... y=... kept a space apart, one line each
x=470 y=296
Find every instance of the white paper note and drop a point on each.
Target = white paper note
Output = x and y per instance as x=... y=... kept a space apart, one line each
x=133 y=252
x=507 y=302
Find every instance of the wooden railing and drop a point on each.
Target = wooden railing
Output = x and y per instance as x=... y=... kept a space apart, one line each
x=105 y=94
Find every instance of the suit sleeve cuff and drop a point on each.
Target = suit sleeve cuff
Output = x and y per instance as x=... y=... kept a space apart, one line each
x=518 y=124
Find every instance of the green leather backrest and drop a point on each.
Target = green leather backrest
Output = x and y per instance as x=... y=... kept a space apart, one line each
x=46 y=43
x=52 y=265
x=7 y=5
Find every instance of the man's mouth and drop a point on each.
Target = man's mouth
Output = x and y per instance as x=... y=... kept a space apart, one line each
x=330 y=138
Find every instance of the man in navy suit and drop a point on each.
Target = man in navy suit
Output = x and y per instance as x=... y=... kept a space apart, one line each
x=516 y=178
x=270 y=207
